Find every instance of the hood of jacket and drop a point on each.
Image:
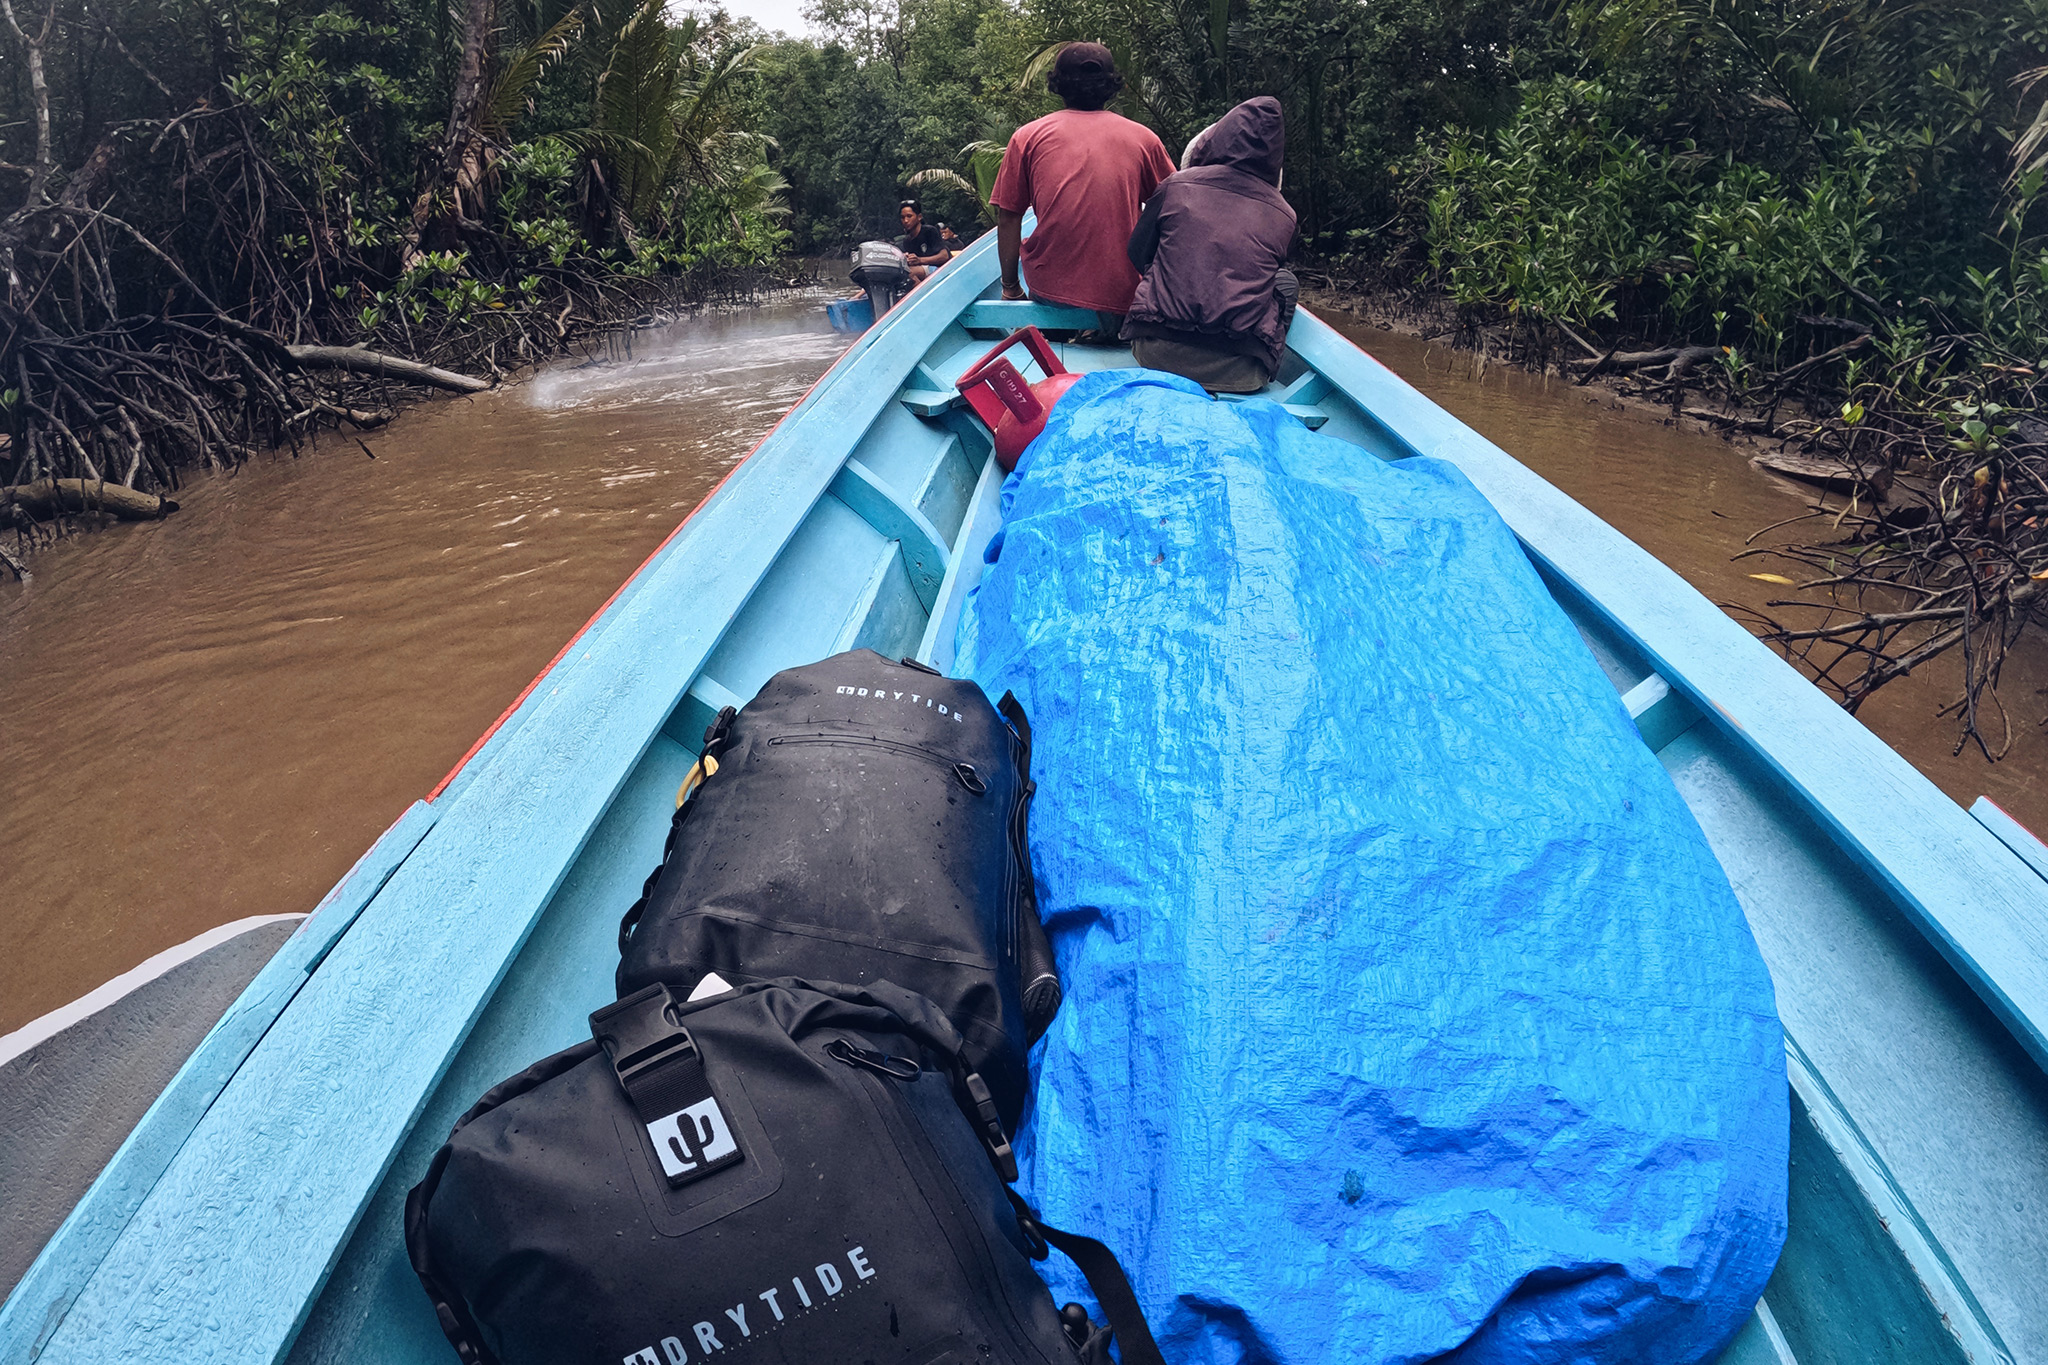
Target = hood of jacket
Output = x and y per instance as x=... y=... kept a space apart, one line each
x=1252 y=137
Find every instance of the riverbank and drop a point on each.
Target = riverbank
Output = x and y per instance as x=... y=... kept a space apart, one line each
x=292 y=396
x=1922 y=542
x=1429 y=316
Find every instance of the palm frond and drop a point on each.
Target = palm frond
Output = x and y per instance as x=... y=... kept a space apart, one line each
x=2027 y=154
x=939 y=175
x=1040 y=62
x=508 y=97
x=984 y=163
x=634 y=97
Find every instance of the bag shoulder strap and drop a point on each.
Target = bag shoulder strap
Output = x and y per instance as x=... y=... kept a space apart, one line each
x=1105 y=1276
x=717 y=737
x=1038 y=974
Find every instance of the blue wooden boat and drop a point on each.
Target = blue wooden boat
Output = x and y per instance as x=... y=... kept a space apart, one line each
x=253 y=1213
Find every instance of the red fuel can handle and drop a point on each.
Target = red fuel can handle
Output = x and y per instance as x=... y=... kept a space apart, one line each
x=1014 y=409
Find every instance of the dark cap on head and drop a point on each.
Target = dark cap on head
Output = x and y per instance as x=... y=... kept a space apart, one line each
x=1083 y=59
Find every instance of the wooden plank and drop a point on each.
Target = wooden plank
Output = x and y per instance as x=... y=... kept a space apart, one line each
x=1760 y=1342
x=1311 y=417
x=698 y=708
x=1661 y=715
x=943 y=494
x=924 y=549
x=371 y=1311
x=231 y=1244
x=1974 y=899
x=930 y=402
x=1861 y=1273
x=2012 y=834
x=963 y=570
x=857 y=614
x=40 y=1301
x=1309 y=389
x=1952 y=1114
x=797 y=607
x=960 y=359
x=1004 y=315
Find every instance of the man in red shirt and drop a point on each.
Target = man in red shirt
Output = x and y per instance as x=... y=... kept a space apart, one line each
x=1087 y=172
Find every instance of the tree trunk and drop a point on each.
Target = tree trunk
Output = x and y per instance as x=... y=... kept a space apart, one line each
x=39 y=91
x=443 y=174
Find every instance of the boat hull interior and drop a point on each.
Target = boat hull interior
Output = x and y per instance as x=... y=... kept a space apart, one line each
x=482 y=931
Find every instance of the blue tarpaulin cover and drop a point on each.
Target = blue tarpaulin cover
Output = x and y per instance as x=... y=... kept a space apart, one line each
x=1408 y=1012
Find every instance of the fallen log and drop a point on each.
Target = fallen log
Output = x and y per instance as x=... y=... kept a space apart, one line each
x=359 y=361
x=1838 y=475
x=48 y=497
x=1584 y=344
x=1679 y=358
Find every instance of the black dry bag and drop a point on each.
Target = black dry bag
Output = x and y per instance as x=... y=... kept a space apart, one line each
x=792 y=1173
x=861 y=820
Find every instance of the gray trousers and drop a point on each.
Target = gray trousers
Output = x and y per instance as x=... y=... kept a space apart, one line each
x=1216 y=370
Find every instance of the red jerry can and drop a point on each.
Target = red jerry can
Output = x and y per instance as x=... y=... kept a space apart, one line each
x=1014 y=410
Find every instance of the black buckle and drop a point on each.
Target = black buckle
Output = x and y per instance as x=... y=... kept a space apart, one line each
x=992 y=1135
x=640 y=1033
x=1035 y=1245
x=662 y=1072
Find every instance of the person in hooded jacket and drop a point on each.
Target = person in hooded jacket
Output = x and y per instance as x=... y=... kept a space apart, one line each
x=1213 y=301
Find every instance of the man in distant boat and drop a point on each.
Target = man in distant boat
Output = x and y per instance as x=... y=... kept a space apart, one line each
x=1214 y=302
x=1086 y=172
x=924 y=246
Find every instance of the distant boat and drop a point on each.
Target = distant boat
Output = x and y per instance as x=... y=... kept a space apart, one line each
x=253 y=1214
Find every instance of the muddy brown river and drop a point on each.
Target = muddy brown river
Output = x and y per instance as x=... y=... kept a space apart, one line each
x=211 y=717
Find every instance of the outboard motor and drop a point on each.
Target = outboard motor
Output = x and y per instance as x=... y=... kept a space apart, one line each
x=882 y=270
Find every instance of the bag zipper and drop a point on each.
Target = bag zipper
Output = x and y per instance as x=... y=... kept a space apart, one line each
x=907 y=1130
x=963 y=772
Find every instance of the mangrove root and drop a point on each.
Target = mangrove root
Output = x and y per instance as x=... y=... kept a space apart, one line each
x=359 y=361
x=1755 y=426
x=49 y=497
x=368 y=420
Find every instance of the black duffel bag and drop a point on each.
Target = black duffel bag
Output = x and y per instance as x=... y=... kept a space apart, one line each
x=861 y=820
x=784 y=1173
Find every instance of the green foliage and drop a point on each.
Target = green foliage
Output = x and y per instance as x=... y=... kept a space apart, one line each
x=511 y=92
x=1566 y=216
x=983 y=159
x=854 y=119
x=661 y=129
x=1698 y=169
x=1724 y=167
x=276 y=150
